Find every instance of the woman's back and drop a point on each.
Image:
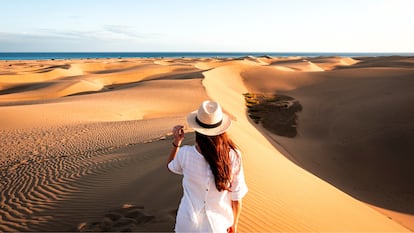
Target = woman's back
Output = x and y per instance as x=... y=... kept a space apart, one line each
x=200 y=192
x=213 y=178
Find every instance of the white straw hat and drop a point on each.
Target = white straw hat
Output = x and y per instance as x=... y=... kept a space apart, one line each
x=209 y=119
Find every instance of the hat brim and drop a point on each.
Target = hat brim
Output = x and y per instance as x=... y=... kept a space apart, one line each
x=226 y=123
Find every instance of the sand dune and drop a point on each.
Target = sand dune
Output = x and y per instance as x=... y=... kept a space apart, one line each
x=330 y=63
x=40 y=75
x=61 y=161
x=312 y=208
x=384 y=62
x=277 y=80
x=83 y=181
x=72 y=82
x=297 y=65
x=349 y=134
x=84 y=142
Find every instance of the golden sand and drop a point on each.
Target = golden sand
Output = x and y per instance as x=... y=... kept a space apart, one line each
x=84 y=142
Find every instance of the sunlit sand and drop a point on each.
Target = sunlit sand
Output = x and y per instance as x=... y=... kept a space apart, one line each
x=84 y=142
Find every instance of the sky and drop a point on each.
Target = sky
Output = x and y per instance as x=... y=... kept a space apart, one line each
x=200 y=26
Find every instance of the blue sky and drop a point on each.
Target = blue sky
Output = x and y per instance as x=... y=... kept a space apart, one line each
x=214 y=25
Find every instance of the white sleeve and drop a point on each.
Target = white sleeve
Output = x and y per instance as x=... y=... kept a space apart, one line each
x=177 y=164
x=238 y=185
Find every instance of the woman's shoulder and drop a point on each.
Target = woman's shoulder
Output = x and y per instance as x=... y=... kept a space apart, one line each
x=235 y=155
x=183 y=154
x=188 y=149
x=235 y=152
x=190 y=155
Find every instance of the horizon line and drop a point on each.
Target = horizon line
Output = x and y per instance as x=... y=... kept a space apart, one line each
x=202 y=52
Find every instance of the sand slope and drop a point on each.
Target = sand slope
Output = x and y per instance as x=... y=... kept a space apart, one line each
x=84 y=142
x=354 y=129
x=282 y=196
x=75 y=156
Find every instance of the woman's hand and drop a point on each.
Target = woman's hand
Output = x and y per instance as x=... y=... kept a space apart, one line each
x=178 y=133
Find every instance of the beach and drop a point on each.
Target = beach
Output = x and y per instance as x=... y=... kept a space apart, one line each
x=84 y=142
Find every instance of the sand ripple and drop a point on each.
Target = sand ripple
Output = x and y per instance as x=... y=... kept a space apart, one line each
x=50 y=168
x=74 y=157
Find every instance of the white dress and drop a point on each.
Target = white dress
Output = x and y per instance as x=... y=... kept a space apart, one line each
x=203 y=208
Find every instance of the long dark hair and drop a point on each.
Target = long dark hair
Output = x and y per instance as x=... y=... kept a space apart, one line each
x=215 y=150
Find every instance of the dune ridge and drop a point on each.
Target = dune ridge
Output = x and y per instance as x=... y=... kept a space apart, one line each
x=350 y=215
x=84 y=143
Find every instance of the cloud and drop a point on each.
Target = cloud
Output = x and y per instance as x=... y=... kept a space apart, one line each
x=44 y=41
x=60 y=34
x=107 y=32
x=122 y=30
x=109 y=38
x=128 y=31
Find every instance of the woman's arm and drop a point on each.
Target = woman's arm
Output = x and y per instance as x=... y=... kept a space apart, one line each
x=178 y=133
x=237 y=206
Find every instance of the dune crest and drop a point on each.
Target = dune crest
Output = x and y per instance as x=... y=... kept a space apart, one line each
x=330 y=63
x=276 y=201
x=298 y=65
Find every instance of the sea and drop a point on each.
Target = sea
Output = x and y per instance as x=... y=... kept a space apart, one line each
x=93 y=55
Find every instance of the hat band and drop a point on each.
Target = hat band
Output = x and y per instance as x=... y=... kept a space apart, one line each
x=208 y=126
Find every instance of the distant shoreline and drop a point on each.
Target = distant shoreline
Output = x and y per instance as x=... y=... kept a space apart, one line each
x=95 y=55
